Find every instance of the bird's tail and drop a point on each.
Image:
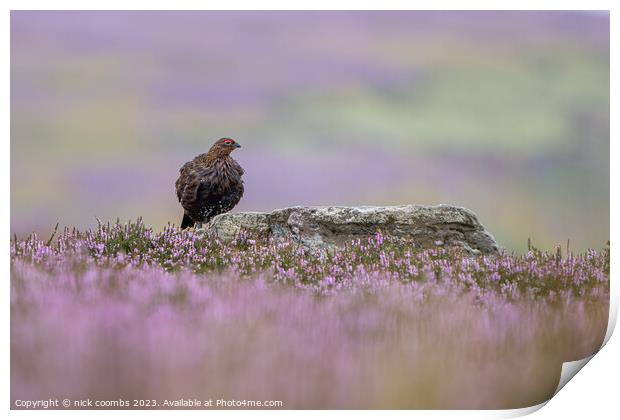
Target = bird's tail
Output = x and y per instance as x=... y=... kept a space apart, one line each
x=187 y=222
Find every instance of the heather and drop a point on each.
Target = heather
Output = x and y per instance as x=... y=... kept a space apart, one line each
x=123 y=311
x=537 y=274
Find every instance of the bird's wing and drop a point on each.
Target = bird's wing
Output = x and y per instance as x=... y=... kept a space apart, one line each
x=182 y=179
x=195 y=183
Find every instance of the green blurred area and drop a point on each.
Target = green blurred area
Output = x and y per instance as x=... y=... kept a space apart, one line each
x=504 y=113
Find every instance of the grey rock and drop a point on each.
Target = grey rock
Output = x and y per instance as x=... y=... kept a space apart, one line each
x=331 y=227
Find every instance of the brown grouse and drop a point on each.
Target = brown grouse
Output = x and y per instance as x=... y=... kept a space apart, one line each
x=210 y=184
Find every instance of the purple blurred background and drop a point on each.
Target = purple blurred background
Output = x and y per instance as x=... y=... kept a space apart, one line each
x=506 y=113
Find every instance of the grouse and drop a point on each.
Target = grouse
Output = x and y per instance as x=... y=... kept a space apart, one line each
x=210 y=184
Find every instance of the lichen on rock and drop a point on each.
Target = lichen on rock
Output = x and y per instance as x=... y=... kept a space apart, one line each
x=334 y=226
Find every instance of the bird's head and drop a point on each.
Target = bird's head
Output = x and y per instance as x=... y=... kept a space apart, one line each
x=223 y=147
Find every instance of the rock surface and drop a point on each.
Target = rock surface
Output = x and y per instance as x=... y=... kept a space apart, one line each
x=332 y=227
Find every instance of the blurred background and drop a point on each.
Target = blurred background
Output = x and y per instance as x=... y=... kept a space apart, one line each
x=506 y=113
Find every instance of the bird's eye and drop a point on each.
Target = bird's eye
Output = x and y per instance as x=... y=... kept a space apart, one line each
x=228 y=141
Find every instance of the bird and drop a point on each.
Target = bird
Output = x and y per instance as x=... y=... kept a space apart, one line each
x=210 y=184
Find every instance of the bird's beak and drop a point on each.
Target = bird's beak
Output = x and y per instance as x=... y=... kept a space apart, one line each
x=237 y=145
